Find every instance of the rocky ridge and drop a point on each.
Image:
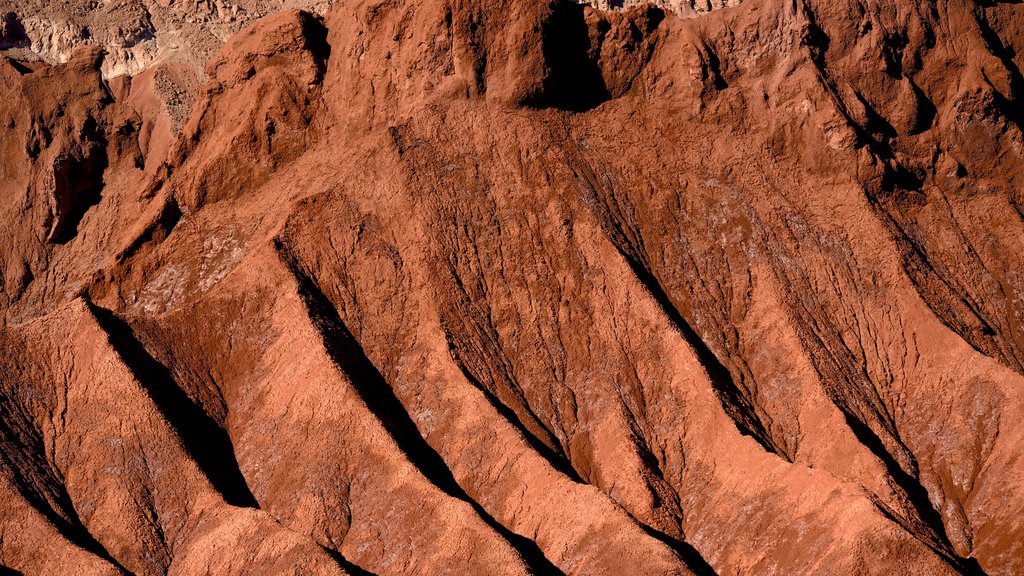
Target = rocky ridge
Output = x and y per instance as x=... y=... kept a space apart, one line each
x=135 y=34
x=504 y=287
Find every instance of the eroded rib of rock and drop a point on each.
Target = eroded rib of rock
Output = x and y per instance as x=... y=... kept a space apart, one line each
x=521 y=288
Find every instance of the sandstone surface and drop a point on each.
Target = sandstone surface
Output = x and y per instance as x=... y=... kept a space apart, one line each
x=499 y=287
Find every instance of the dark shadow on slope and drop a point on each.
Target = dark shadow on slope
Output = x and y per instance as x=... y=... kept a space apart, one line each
x=693 y=559
x=876 y=124
x=157 y=230
x=77 y=183
x=5 y=571
x=480 y=346
x=1012 y=109
x=12 y=33
x=381 y=400
x=713 y=67
x=315 y=35
x=573 y=81
x=690 y=555
x=22 y=458
x=949 y=300
x=918 y=497
x=733 y=400
x=926 y=111
x=205 y=441
x=346 y=564
x=557 y=461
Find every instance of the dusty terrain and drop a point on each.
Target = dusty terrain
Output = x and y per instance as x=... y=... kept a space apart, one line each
x=505 y=287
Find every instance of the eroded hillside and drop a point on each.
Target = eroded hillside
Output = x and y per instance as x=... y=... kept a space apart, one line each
x=423 y=287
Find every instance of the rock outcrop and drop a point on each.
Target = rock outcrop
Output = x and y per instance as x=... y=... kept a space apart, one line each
x=135 y=34
x=526 y=288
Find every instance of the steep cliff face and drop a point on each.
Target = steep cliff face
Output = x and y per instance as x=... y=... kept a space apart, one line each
x=521 y=287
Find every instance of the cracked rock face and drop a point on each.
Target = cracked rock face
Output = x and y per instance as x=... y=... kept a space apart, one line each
x=422 y=287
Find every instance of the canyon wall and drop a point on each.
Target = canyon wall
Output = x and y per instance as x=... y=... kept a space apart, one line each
x=452 y=286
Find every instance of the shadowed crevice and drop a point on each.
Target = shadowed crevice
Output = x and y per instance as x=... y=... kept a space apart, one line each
x=475 y=346
x=70 y=527
x=917 y=495
x=32 y=476
x=555 y=459
x=573 y=81
x=78 y=181
x=206 y=442
x=926 y=111
x=950 y=301
x=733 y=400
x=14 y=35
x=349 y=356
x=690 y=555
x=157 y=230
x=315 y=35
x=686 y=551
x=346 y=564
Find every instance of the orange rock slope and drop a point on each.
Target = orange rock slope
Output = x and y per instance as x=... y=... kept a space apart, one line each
x=428 y=287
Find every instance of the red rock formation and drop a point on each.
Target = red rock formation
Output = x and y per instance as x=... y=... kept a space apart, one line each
x=506 y=287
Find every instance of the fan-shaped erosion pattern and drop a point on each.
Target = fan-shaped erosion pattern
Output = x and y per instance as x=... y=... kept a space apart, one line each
x=449 y=286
